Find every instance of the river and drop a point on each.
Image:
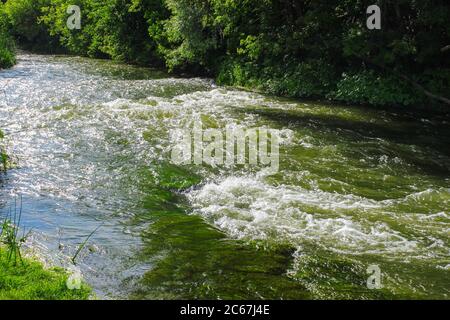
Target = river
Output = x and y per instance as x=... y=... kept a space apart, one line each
x=356 y=187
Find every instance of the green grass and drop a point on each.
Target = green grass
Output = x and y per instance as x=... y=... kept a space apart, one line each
x=28 y=280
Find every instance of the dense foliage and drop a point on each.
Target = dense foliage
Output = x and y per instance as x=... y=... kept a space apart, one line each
x=7 y=57
x=297 y=48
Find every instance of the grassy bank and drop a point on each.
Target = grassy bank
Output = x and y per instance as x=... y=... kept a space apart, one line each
x=28 y=280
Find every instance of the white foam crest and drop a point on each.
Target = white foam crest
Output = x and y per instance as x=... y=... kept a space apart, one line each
x=247 y=208
x=429 y=203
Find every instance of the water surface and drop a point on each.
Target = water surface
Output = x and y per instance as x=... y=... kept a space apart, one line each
x=356 y=187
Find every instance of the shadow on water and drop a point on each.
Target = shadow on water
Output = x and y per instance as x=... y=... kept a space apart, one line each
x=192 y=260
x=432 y=136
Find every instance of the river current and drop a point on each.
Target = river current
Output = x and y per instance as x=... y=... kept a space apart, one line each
x=356 y=187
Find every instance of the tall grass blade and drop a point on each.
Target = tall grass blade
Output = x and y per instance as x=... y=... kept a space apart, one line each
x=84 y=244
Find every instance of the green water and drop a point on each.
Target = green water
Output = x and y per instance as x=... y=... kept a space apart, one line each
x=356 y=187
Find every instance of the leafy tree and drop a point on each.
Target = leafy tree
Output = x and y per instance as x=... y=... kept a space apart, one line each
x=7 y=57
x=22 y=17
x=297 y=48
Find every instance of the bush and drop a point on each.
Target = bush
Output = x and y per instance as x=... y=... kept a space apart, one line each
x=368 y=87
x=22 y=17
x=312 y=78
x=7 y=55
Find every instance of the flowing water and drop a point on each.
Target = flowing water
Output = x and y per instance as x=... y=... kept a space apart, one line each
x=357 y=187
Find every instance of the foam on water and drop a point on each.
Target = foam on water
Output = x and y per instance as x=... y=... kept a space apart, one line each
x=83 y=131
x=248 y=208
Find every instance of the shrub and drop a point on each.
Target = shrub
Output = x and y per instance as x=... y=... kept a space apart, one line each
x=369 y=87
x=7 y=55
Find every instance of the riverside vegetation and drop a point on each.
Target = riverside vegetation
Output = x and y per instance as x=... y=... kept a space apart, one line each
x=28 y=280
x=7 y=56
x=24 y=278
x=302 y=49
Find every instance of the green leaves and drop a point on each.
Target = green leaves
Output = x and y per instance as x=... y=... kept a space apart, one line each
x=7 y=54
x=292 y=48
x=368 y=87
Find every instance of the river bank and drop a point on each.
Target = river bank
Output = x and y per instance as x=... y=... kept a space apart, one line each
x=27 y=279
